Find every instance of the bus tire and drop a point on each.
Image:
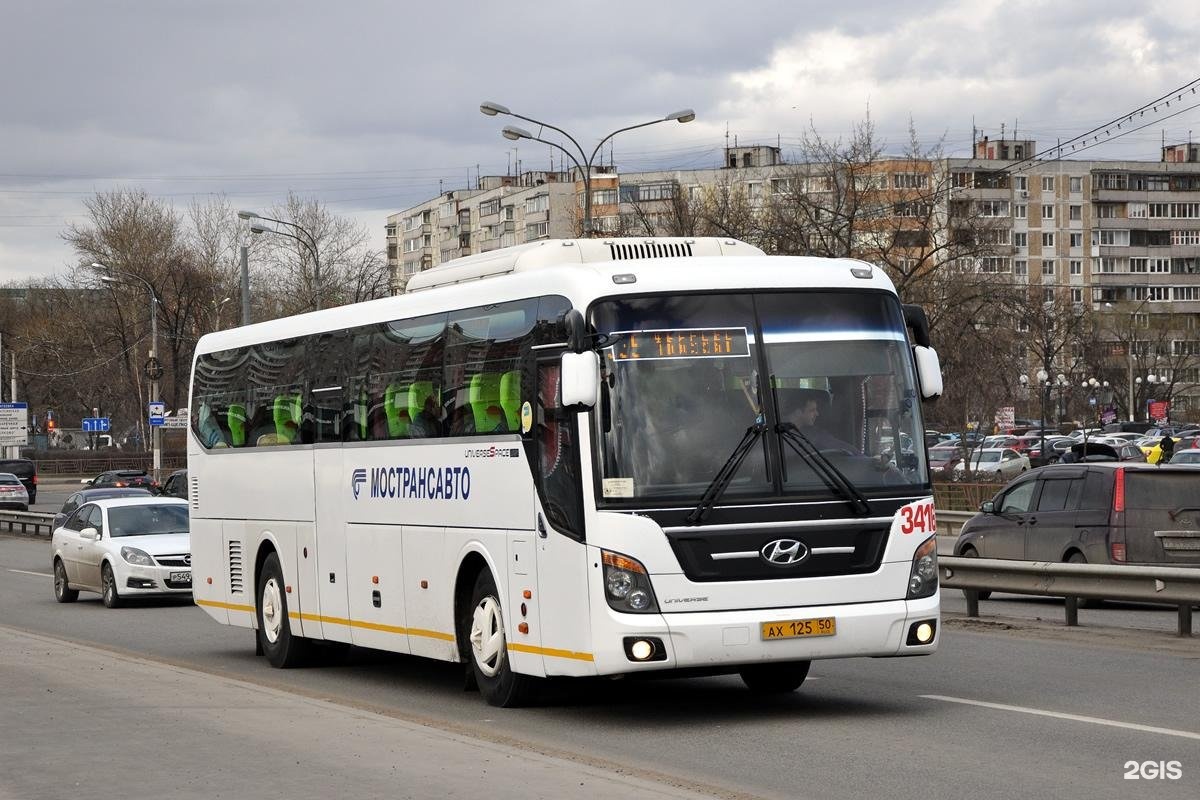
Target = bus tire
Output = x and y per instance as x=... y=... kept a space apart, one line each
x=775 y=678
x=279 y=645
x=498 y=684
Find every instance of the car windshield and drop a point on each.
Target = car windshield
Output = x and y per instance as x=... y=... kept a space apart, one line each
x=689 y=377
x=986 y=457
x=943 y=453
x=147 y=520
x=9 y=479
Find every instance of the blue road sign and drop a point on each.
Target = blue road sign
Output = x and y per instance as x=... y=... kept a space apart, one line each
x=96 y=424
x=156 y=409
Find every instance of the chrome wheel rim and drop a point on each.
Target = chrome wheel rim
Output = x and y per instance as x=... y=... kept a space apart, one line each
x=272 y=610
x=60 y=579
x=487 y=636
x=109 y=587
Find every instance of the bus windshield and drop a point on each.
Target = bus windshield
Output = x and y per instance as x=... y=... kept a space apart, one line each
x=687 y=376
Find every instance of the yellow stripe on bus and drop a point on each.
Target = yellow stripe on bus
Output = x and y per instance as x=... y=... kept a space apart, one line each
x=228 y=606
x=428 y=634
x=550 y=651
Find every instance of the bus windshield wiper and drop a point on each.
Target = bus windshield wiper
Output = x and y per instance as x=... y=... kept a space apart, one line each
x=725 y=474
x=825 y=469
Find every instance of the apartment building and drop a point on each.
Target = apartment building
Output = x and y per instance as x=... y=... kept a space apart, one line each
x=1121 y=237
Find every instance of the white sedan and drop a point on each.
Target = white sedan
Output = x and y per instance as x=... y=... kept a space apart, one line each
x=123 y=547
x=993 y=463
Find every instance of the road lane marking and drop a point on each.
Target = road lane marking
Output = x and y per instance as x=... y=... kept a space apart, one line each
x=39 y=574
x=1133 y=726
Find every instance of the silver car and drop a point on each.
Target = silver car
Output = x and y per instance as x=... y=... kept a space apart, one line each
x=123 y=547
x=13 y=493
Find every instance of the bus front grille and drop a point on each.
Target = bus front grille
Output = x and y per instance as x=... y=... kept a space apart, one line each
x=742 y=555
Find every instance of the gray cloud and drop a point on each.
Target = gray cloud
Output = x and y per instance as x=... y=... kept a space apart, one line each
x=380 y=99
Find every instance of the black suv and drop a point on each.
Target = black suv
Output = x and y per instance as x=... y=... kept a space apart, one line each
x=26 y=471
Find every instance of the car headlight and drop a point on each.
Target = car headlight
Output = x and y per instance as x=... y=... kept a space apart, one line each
x=923 y=577
x=135 y=556
x=627 y=584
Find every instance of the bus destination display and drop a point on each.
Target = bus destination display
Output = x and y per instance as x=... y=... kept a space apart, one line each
x=681 y=343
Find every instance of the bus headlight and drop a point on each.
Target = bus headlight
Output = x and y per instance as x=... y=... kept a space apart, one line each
x=923 y=577
x=627 y=584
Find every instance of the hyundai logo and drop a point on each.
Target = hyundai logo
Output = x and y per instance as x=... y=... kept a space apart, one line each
x=357 y=479
x=784 y=552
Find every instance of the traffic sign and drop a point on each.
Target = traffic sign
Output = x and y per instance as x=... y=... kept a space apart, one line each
x=157 y=409
x=96 y=424
x=14 y=424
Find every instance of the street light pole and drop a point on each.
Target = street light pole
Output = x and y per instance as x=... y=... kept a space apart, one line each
x=154 y=371
x=309 y=242
x=584 y=162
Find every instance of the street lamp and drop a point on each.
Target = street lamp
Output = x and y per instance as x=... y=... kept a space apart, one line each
x=585 y=168
x=1044 y=383
x=308 y=241
x=217 y=310
x=153 y=370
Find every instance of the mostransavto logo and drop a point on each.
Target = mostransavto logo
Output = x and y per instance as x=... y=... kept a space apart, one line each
x=357 y=479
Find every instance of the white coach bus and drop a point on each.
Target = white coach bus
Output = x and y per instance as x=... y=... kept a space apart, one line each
x=577 y=458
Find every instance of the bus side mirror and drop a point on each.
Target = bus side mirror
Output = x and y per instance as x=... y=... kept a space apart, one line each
x=929 y=371
x=580 y=378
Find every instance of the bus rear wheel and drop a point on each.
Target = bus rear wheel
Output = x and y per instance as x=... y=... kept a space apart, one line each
x=275 y=638
x=498 y=684
x=775 y=678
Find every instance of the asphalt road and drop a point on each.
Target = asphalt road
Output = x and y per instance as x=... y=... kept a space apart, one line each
x=1006 y=709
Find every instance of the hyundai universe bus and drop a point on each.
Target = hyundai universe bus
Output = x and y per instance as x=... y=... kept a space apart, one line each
x=577 y=458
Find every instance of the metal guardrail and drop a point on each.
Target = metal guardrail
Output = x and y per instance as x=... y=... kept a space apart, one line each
x=27 y=519
x=1178 y=586
x=949 y=523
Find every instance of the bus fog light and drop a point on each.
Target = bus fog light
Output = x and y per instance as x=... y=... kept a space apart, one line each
x=921 y=632
x=627 y=584
x=645 y=648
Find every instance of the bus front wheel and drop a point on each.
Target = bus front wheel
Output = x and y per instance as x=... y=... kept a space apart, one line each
x=498 y=684
x=776 y=678
x=275 y=638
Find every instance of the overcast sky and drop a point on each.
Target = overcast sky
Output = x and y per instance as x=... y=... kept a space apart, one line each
x=372 y=107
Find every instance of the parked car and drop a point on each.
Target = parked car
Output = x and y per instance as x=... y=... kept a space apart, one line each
x=123 y=547
x=88 y=495
x=12 y=492
x=26 y=471
x=1096 y=513
x=992 y=463
x=942 y=460
x=1190 y=456
x=176 y=484
x=121 y=478
x=1104 y=451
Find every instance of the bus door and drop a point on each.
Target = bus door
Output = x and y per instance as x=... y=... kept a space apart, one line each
x=562 y=574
